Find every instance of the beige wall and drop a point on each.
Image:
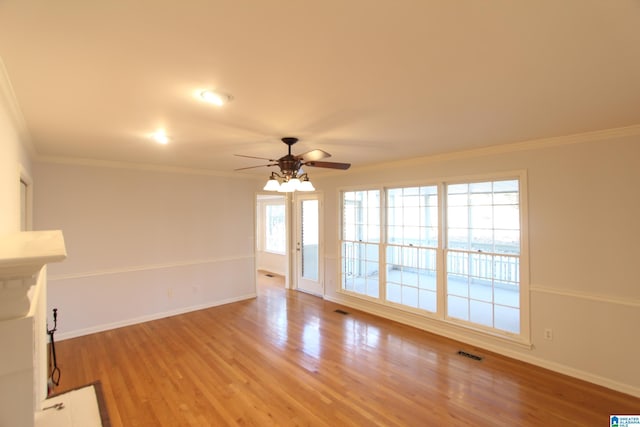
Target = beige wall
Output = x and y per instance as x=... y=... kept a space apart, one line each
x=14 y=156
x=584 y=245
x=144 y=244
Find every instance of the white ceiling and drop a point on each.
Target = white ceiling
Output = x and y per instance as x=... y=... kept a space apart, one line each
x=368 y=81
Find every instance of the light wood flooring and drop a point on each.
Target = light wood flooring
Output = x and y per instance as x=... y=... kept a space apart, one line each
x=287 y=358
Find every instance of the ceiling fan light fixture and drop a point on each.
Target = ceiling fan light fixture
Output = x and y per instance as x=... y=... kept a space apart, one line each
x=272 y=184
x=291 y=176
x=294 y=183
x=215 y=98
x=306 y=185
x=286 y=187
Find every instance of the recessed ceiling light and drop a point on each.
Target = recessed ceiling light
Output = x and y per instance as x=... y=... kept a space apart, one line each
x=160 y=137
x=216 y=98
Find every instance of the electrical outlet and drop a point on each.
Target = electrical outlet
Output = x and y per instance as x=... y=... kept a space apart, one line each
x=548 y=334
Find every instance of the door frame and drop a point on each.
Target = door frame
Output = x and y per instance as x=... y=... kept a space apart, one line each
x=259 y=229
x=295 y=258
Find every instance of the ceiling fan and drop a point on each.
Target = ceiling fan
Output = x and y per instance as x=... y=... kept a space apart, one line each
x=291 y=176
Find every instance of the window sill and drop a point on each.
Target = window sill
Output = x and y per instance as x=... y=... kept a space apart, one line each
x=431 y=322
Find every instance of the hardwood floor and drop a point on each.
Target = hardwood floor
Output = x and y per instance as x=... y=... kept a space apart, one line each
x=287 y=358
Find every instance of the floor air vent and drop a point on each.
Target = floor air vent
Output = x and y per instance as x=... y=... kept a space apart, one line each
x=341 y=311
x=469 y=355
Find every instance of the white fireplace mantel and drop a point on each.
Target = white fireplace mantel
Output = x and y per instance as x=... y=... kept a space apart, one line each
x=23 y=322
x=22 y=256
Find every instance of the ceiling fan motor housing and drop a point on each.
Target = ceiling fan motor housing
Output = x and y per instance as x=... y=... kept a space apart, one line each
x=289 y=164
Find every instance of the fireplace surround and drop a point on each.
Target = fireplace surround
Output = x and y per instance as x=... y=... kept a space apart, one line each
x=23 y=322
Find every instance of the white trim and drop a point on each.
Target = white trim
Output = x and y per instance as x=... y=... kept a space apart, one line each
x=630 y=302
x=147 y=267
x=142 y=166
x=534 y=144
x=26 y=178
x=150 y=317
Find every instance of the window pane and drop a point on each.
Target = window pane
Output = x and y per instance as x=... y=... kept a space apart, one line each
x=507 y=319
x=457 y=199
x=275 y=233
x=458 y=189
x=481 y=290
x=481 y=217
x=394 y=234
x=458 y=285
x=506 y=294
x=481 y=277
x=506 y=186
x=309 y=231
x=507 y=217
x=476 y=270
x=481 y=313
x=394 y=293
x=480 y=187
x=458 y=307
x=481 y=199
x=458 y=217
x=427 y=300
x=458 y=238
x=486 y=281
x=410 y=296
x=361 y=216
x=507 y=241
x=481 y=239
x=360 y=235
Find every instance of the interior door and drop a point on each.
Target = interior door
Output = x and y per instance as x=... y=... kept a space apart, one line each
x=309 y=259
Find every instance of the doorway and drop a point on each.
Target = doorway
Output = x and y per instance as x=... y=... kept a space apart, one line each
x=272 y=236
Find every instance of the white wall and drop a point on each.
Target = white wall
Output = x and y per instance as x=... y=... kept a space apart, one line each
x=144 y=244
x=584 y=241
x=16 y=334
x=13 y=156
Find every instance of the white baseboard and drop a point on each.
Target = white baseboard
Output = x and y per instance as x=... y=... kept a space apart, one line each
x=503 y=350
x=147 y=318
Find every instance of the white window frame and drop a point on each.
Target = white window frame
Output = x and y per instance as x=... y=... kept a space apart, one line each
x=377 y=243
x=524 y=334
x=262 y=226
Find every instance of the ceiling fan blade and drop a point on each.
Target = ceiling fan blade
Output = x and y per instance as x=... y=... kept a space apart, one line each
x=313 y=155
x=330 y=165
x=253 y=157
x=253 y=167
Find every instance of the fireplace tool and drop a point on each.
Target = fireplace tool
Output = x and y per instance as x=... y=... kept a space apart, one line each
x=54 y=378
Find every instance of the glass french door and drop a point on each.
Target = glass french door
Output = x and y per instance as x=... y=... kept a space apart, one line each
x=308 y=244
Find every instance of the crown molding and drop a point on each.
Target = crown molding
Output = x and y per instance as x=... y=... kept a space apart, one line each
x=140 y=166
x=534 y=144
